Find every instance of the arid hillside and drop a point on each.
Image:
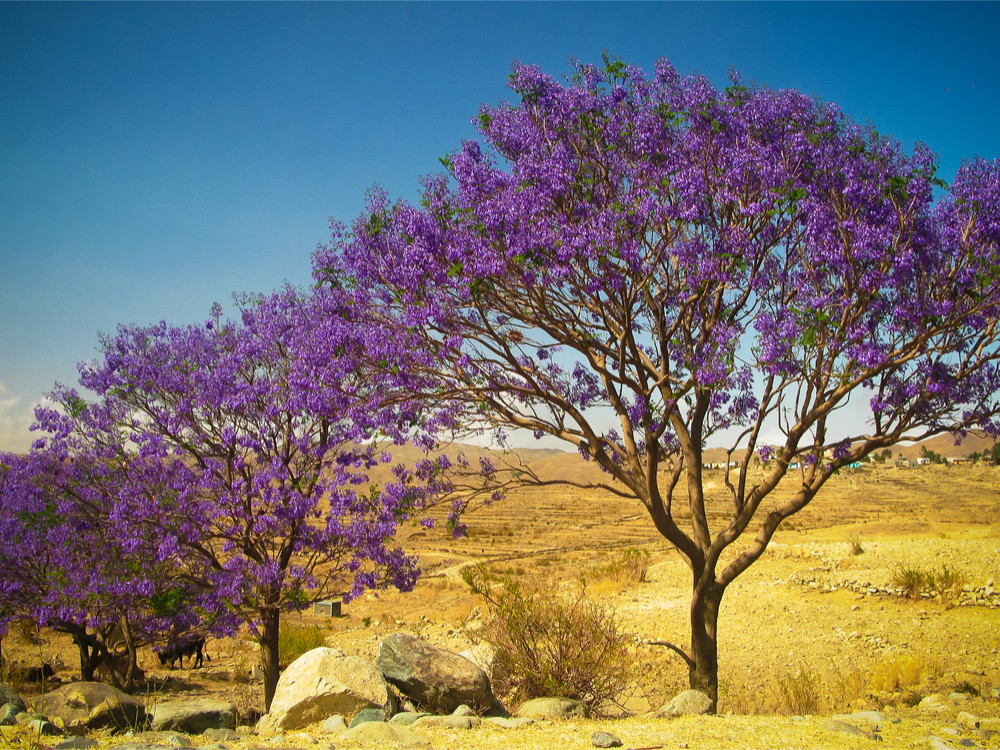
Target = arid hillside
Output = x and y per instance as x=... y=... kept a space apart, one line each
x=821 y=624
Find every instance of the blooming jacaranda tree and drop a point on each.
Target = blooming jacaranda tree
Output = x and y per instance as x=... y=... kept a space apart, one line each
x=68 y=565
x=639 y=265
x=249 y=463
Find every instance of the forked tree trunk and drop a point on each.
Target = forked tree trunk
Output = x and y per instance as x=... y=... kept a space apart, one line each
x=268 y=639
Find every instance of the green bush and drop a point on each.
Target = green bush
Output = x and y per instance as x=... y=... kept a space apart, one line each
x=545 y=644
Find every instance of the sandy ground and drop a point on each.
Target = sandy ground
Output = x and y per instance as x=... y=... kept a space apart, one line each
x=810 y=615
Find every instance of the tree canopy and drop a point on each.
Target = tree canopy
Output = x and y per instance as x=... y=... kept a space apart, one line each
x=638 y=265
x=239 y=452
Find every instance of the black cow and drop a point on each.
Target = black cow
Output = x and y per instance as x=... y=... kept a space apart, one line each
x=173 y=652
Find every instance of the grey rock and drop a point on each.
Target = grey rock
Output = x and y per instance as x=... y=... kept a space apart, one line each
x=24 y=718
x=193 y=717
x=374 y=731
x=510 y=723
x=605 y=739
x=46 y=728
x=434 y=678
x=76 y=743
x=9 y=695
x=336 y=724
x=936 y=743
x=96 y=706
x=174 y=739
x=450 y=722
x=8 y=714
x=221 y=734
x=833 y=725
x=931 y=703
x=967 y=720
x=995 y=693
x=967 y=743
x=875 y=717
x=463 y=710
x=687 y=703
x=552 y=708
x=406 y=718
x=956 y=698
x=367 y=714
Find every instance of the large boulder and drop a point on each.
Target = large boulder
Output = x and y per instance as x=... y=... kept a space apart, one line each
x=95 y=705
x=193 y=717
x=437 y=680
x=324 y=682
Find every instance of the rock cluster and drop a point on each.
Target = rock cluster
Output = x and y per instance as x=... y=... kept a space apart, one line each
x=969 y=596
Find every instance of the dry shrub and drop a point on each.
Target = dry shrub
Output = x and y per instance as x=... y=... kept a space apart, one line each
x=737 y=697
x=294 y=641
x=897 y=674
x=630 y=567
x=797 y=693
x=546 y=644
x=946 y=583
x=854 y=544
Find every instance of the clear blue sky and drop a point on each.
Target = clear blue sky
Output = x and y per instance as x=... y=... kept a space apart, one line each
x=155 y=158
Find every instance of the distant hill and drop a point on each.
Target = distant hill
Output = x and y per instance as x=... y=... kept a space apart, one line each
x=554 y=465
x=944 y=445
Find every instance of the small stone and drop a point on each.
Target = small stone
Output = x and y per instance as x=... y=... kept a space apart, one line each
x=833 y=725
x=45 y=727
x=956 y=698
x=685 y=703
x=967 y=743
x=76 y=743
x=931 y=703
x=220 y=734
x=605 y=739
x=967 y=720
x=367 y=714
x=463 y=710
x=405 y=718
x=553 y=708
x=385 y=733
x=875 y=717
x=336 y=724
x=995 y=692
x=8 y=714
x=451 y=722
x=175 y=739
x=509 y=723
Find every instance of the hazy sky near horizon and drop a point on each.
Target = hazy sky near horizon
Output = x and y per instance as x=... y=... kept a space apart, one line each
x=157 y=157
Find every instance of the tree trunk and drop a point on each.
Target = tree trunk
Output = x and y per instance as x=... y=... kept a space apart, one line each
x=268 y=639
x=87 y=650
x=704 y=664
